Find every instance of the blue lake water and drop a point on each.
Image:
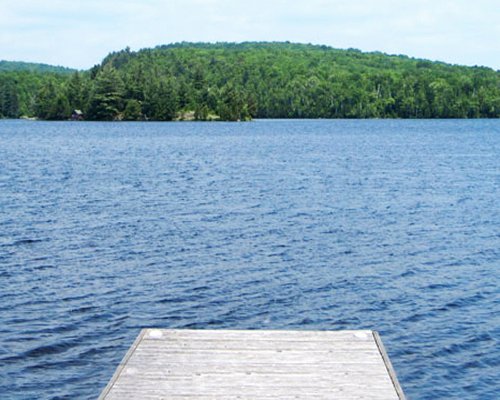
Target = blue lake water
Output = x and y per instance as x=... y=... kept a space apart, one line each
x=106 y=228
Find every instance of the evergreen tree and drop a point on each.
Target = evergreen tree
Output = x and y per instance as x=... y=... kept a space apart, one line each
x=45 y=100
x=106 y=102
x=9 y=100
x=161 y=103
x=76 y=92
x=132 y=111
x=232 y=105
x=60 y=109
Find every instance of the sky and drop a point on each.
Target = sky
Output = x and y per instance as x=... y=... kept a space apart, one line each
x=80 y=34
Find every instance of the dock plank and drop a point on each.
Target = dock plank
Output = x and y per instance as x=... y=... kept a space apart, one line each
x=219 y=364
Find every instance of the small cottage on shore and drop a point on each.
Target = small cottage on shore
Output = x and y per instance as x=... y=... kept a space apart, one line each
x=77 y=115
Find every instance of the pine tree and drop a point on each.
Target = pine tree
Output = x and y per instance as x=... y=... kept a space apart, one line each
x=9 y=100
x=60 y=109
x=106 y=101
x=232 y=104
x=75 y=92
x=132 y=111
x=45 y=100
x=162 y=101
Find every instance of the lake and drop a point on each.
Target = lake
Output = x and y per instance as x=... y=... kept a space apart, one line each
x=391 y=225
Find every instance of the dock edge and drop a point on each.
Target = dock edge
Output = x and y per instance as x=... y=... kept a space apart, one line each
x=388 y=366
x=122 y=365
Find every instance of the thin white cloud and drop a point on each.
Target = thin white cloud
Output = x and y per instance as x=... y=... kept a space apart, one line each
x=80 y=33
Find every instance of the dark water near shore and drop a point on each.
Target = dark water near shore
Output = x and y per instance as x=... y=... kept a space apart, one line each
x=390 y=225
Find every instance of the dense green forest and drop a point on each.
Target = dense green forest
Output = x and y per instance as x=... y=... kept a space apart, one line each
x=33 y=67
x=250 y=80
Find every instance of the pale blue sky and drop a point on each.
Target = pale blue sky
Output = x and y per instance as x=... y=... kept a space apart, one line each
x=80 y=33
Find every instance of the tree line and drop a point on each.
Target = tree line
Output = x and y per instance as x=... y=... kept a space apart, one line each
x=251 y=80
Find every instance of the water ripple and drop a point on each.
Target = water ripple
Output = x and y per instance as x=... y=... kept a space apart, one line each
x=386 y=225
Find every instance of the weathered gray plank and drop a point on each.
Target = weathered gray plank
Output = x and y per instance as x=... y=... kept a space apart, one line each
x=282 y=357
x=187 y=364
x=205 y=334
x=231 y=344
x=288 y=396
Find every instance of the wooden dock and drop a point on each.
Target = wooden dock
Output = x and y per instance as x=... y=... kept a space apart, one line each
x=223 y=365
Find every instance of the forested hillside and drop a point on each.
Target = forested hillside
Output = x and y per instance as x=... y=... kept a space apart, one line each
x=32 y=67
x=252 y=80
